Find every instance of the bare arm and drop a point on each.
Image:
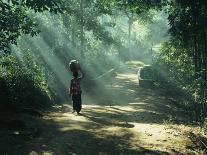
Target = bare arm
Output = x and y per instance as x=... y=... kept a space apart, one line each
x=82 y=74
x=70 y=89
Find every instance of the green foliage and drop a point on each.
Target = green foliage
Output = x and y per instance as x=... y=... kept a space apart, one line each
x=14 y=19
x=13 y=23
x=22 y=85
x=176 y=64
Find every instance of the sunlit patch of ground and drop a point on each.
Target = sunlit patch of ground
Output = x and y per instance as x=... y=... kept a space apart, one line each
x=120 y=121
x=131 y=77
x=137 y=63
x=128 y=120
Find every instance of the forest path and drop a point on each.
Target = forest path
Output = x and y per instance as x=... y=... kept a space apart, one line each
x=125 y=119
x=129 y=120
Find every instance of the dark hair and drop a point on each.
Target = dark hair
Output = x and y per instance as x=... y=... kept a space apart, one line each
x=75 y=74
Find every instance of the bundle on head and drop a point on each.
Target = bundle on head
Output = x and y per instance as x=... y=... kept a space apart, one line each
x=74 y=66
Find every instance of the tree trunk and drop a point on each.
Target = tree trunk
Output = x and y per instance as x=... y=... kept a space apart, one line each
x=73 y=33
x=196 y=58
x=130 y=22
x=82 y=29
x=195 y=47
x=205 y=57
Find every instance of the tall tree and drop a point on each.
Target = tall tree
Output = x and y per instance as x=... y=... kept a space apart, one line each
x=14 y=20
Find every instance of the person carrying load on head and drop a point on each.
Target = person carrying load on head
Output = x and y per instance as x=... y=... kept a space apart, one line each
x=75 y=86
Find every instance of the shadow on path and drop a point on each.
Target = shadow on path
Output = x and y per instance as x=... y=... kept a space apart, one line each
x=109 y=124
x=63 y=139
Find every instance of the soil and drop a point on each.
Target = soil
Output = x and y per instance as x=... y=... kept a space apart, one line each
x=121 y=119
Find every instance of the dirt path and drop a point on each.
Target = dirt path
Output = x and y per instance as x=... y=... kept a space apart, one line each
x=129 y=120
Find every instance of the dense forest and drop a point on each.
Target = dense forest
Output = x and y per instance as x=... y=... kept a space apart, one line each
x=168 y=38
x=38 y=44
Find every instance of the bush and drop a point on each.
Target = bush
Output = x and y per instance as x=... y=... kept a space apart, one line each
x=22 y=84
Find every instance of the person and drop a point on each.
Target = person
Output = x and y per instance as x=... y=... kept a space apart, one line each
x=75 y=91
